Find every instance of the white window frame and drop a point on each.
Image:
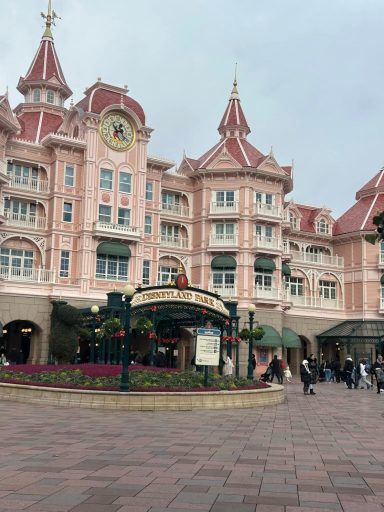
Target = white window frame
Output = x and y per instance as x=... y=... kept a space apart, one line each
x=295 y=285
x=166 y=274
x=263 y=278
x=64 y=263
x=225 y=198
x=148 y=225
x=16 y=258
x=328 y=289
x=149 y=191
x=50 y=97
x=265 y=198
x=106 y=182
x=36 y=96
x=104 y=217
x=67 y=212
x=69 y=179
x=146 y=272
x=111 y=268
x=124 y=217
x=125 y=187
x=322 y=226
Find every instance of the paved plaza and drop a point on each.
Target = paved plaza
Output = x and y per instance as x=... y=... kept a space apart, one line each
x=312 y=453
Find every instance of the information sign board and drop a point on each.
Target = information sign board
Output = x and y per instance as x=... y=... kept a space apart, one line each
x=207 y=350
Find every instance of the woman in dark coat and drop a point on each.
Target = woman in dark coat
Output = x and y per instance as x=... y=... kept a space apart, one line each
x=305 y=375
x=313 y=368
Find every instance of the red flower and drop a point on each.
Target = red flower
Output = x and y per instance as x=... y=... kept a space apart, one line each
x=152 y=335
x=231 y=339
x=226 y=322
x=153 y=308
x=204 y=311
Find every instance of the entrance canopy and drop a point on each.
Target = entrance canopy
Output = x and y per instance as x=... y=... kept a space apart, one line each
x=290 y=339
x=271 y=337
x=355 y=331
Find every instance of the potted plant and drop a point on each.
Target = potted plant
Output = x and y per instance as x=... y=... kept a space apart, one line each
x=143 y=325
x=244 y=334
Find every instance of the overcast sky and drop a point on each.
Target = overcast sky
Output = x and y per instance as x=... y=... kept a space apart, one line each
x=310 y=75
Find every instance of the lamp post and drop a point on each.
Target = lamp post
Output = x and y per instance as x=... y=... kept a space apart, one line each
x=94 y=311
x=128 y=291
x=251 y=314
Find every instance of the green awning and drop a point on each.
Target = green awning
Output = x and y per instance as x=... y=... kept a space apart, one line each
x=114 y=249
x=285 y=269
x=355 y=331
x=223 y=262
x=290 y=339
x=271 y=337
x=265 y=264
x=382 y=279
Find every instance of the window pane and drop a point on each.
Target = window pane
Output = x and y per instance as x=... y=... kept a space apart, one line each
x=125 y=182
x=67 y=212
x=69 y=175
x=106 y=179
x=148 y=225
x=149 y=191
x=105 y=213
x=124 y=216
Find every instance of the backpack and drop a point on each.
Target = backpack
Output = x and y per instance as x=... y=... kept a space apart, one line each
x=282 y=365
x=368 y=368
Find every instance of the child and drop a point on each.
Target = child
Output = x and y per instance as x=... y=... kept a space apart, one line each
x=287 y=374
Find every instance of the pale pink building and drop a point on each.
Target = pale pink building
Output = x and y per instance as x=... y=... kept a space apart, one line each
x=85 y=208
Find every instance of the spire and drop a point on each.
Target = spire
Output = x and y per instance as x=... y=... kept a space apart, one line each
x=45 y=71
x=233 y=123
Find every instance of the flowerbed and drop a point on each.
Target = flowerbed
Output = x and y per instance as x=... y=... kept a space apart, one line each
x=107 y=378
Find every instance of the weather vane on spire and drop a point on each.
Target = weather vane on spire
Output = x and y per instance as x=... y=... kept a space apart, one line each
x=49 y=18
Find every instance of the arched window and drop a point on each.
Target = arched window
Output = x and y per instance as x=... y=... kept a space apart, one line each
x=292 y=220
x=322 y=226
x=50 y=97
x=36 y=95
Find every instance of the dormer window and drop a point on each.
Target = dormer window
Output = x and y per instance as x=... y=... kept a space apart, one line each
x=50 y=97
x=36 y=95
x=292 y=220
x=322 y=227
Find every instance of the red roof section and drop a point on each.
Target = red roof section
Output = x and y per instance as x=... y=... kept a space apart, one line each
x=376 y=182
x=352 y=220
x=30 y=122
x=46 y=64
x=308 y=216
x=233 y=116
x=100 y=97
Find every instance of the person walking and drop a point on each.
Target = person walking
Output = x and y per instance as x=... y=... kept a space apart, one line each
x=336 y=366
x=253 y=362
x=363 y=375
x=305 y=376
x=327 y=371
x=348 y=369
x=312 y=365
x=377 y=368
x=276 y=369
x=228 y=367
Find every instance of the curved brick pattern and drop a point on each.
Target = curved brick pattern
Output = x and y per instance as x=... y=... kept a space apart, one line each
x=312 y=453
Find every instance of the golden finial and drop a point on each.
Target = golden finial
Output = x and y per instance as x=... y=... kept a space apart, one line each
x=49 y=20
x=234 y=90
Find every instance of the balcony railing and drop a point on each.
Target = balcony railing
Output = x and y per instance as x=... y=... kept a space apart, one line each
x=314 y=302
x=266 y=242
x=121 y=229
x=223 y=240
x=174 y=241
x=225 y=290
x=30 y=184
x=32 y=275
x=267 y=210
x=225 y=207
x=23 y=220
x=319 y=259
x=175 y=209
x=267 y=292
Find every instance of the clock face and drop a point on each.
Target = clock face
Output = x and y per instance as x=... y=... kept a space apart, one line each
x=117 y=132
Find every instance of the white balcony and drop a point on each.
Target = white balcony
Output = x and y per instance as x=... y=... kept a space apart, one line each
x=175 y=209
x=318 y=259
x=224 y=207
x=223 y=240
x=23 y=220
x=176 y=242
x=314 y=302
x=26 y=183
x=119 y=230
x=270 y=293
x=225 y=290
x=266 y=242
x=31 y=275
x=267 y=210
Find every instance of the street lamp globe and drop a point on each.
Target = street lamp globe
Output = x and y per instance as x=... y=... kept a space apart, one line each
x=128 y=290
x=251 y=308
x=95 y=309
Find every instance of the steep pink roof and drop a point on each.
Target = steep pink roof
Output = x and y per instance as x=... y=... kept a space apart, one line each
x=46 y=64
x=36 y=125
x=100 y=96
x=308 y=216
x=374 y=183
x=359 y=216
x=233 y=116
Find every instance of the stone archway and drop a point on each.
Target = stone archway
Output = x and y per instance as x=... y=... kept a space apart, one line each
x=18 y=340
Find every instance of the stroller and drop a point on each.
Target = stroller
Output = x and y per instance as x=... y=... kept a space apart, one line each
x=266 y=376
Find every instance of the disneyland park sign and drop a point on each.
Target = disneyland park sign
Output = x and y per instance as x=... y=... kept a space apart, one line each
x=186 y=296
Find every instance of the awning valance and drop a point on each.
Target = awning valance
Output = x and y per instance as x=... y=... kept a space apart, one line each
x=113 y=249
x=223 y=262
x=285 y=269
x=290 y=339
x=271 y=337
x=265 y=264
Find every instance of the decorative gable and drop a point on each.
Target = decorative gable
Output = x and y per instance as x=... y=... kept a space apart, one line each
x=224 y=161
x=7 y=120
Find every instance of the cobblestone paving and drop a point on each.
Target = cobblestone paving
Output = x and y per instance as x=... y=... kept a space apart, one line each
x=312 y=453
